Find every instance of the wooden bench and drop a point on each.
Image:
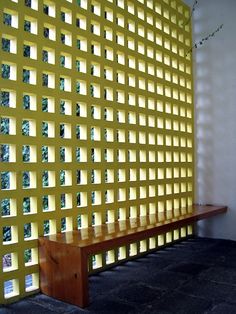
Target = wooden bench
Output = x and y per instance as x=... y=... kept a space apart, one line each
x=64 y=256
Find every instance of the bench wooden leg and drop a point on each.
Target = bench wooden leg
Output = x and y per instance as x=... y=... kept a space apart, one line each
x=64 y=272
x=83 y=282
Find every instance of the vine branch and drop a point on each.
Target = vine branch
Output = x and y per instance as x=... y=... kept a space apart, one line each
x=192 y=11
x=200 y=42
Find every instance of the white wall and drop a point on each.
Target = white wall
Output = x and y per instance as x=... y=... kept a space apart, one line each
x=215 y=114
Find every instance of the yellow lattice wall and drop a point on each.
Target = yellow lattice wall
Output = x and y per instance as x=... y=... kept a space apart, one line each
x=96 y=122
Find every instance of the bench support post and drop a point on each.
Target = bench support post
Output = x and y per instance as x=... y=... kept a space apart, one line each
x=64 y=272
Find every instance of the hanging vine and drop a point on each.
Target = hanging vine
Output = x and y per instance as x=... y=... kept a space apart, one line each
x=204 y=39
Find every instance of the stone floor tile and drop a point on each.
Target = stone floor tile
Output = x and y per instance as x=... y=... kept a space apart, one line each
x=174 y=254
x=188 y=268
x=220 y=274
x=138 y=294
x=26 y=307
x=223 y=308
x=177 y=303
x=165 y=280
x=5 y=310
x=110 y=306
x=51 y=304
x=209 y=290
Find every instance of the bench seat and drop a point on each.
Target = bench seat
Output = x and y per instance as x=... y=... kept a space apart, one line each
x=63 y=257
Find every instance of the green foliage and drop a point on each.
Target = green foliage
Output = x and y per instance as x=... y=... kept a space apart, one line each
x=6 y=44
x=45 y=203
x=5 y=206
x=5 y=180
x=62 y=107
x=63 y=224
x=45 y=129
x=26 y=102
x=7 y=19
x=26 y=205
x=78 y=87
x=78 y=154
x=28 y=3
x=78 y=196
x=62 y=83
x=63 y=200
x=62 y=61
x=44 y=154
x=4 y=153
x=25 y=128
x=27 y=26
x=63 y=38
x=78 y=44
x=45 y=178
x=79 y=222
x=5 y=99
x=78 y=132
x=26 y=51
x=6 y=69
x=78 y=177
x=7 y=234
x=45 y=79
x=46 y=32
x=77 y=109
x=62 y=177
x=63 y=16
x=45 y=55
x=4 y=125
x=62 y=130
x=27 y=230
x=45 y=104
x=28 y=255
x=5 y=176
x=62 y=154
x=77 y=65
x=26 y=76
x=25 y=153
x=46 y=227
x=25 y=179
x=46 y=9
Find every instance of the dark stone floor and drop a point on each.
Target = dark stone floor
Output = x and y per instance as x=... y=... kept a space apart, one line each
x=194 y=276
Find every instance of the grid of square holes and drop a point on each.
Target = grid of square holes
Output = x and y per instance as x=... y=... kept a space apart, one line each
x=96 y=123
